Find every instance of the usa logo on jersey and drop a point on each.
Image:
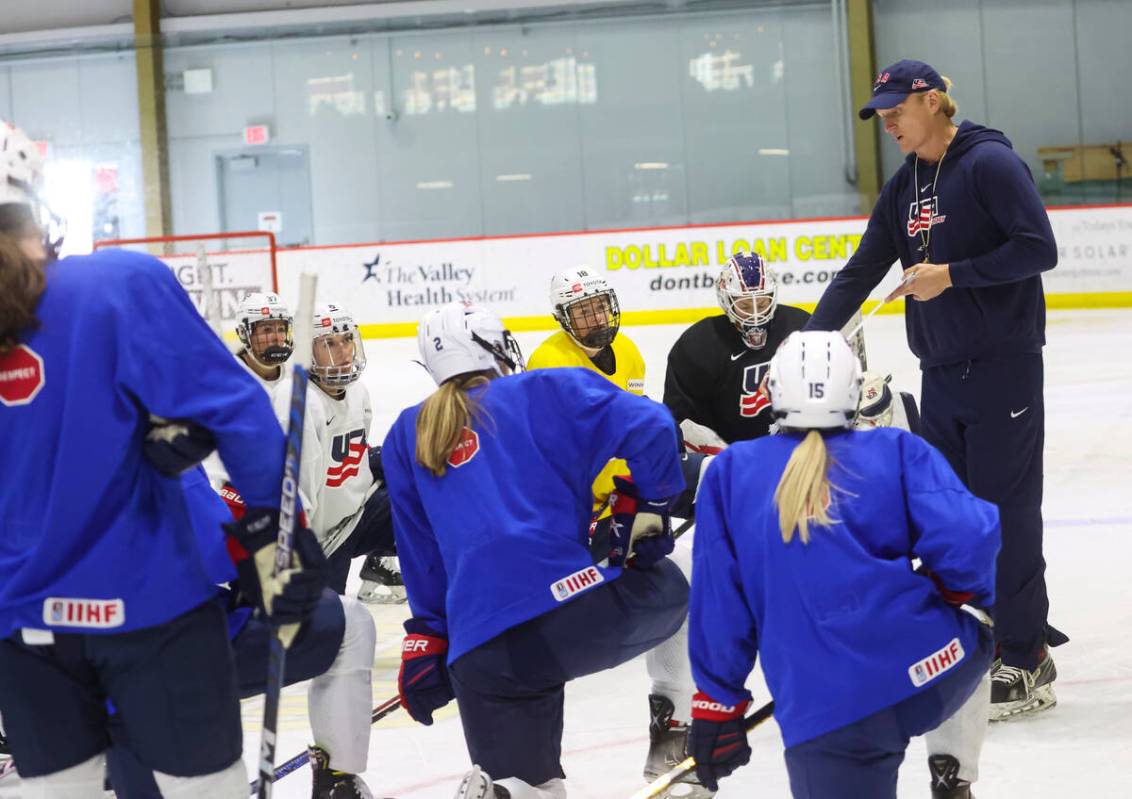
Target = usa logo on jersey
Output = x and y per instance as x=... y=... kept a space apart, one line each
x=752 y=402
x=922 y=214
x=347 y=454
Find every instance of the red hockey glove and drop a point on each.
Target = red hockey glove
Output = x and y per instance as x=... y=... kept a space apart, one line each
x=423 y=683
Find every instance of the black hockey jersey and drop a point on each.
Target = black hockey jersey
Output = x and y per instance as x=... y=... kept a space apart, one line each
x=713 y=377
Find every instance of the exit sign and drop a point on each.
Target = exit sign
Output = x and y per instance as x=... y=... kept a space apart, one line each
x=257 y=134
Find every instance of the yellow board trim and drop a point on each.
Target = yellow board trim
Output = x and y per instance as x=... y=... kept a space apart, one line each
x=672 y=316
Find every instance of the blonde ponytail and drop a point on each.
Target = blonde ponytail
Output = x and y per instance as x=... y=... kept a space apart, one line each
x=442 y=420
x=947 y=104
x=804 y=492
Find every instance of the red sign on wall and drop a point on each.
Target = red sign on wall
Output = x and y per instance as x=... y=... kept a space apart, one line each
x=257 y=134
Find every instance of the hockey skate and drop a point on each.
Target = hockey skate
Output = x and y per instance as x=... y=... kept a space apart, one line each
x=668 y=748
x=329 y=784
x=381 y=581
x=477 y=784
x=945 y=778
x=1016 y=691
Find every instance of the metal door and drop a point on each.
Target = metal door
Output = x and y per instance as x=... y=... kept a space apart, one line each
x=264 y=183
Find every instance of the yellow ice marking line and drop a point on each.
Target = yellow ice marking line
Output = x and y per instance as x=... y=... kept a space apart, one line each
x=671 y=316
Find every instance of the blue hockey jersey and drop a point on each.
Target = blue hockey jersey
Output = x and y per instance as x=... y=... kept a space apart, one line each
x=92 y=538
x=501 y=537
x=844 y=625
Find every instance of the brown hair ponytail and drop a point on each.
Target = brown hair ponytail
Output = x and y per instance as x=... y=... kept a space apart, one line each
x=22 y=281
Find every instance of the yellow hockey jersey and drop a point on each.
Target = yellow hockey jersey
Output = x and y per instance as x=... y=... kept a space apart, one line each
x=628 y=373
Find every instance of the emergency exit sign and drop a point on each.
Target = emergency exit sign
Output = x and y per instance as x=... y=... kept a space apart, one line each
x=257 y=134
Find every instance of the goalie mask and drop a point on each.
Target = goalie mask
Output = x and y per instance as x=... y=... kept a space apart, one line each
x=459 y=338
x=875 y=408
x=586 y=307
x=814 y=381
x=338 y=356
x=21 y=180
x=265 y=327
x=748 y=293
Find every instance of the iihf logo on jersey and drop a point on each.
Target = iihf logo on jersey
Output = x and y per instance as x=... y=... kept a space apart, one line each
x=752 y=402
x=922 y=214
x=348 y=455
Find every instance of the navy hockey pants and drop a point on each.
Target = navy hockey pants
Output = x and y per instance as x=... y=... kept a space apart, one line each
x=312 y=653
x=987 y=417
x=174 y=685
x=862 y=759
x=511 y=689
x=374 y=533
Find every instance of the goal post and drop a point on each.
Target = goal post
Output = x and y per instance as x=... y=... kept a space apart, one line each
x=217 y=270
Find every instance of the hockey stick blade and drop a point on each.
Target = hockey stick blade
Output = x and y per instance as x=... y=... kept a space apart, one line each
x=688 y=765
x=301 y=759
x=277 y=652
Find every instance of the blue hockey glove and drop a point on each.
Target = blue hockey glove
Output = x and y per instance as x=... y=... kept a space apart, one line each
x=717 y=739
x=290 y=597
x=641 y=533
x=375 y=465
x=173 y=446
x=423 y=683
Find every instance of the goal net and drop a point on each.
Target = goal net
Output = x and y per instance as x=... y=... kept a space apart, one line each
x=217 y=269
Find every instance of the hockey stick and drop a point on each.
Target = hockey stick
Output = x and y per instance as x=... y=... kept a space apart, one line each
x=688 y=765
x=277 y=652
x=904 y=281
x=301 y=759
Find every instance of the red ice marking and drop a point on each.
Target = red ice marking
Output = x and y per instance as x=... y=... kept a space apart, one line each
x=21 y=376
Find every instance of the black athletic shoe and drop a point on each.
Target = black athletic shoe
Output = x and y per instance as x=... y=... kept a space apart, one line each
x=1016 y=691
x=329 y=784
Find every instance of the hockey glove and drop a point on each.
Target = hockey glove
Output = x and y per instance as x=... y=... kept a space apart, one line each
x=233 y=500
x=717 y=739
x=954 y=598
x=173 y=446
x=641 y=533
x=423 y=683
x=285 y=599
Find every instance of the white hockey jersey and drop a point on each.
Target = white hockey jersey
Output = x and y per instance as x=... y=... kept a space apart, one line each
x=279 y=390
x=336 y=445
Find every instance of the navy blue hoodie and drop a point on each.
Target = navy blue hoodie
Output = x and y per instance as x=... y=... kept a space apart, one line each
x=988 y=223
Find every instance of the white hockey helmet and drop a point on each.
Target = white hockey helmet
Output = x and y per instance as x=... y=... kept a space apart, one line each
x=459 y=337
x=255 y=309
x=338 y=353
x=874 y=408
x=585 y=306
x=21 y=180
x=747 y=292
x=814 y=381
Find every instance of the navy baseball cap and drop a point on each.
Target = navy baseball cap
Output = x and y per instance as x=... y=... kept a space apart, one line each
x=896 y=82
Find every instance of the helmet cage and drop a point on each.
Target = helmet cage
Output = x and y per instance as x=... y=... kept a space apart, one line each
x=746 y=277
x=332 y=325
x=506 y=353
x=256 y=309
x=601 y=331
